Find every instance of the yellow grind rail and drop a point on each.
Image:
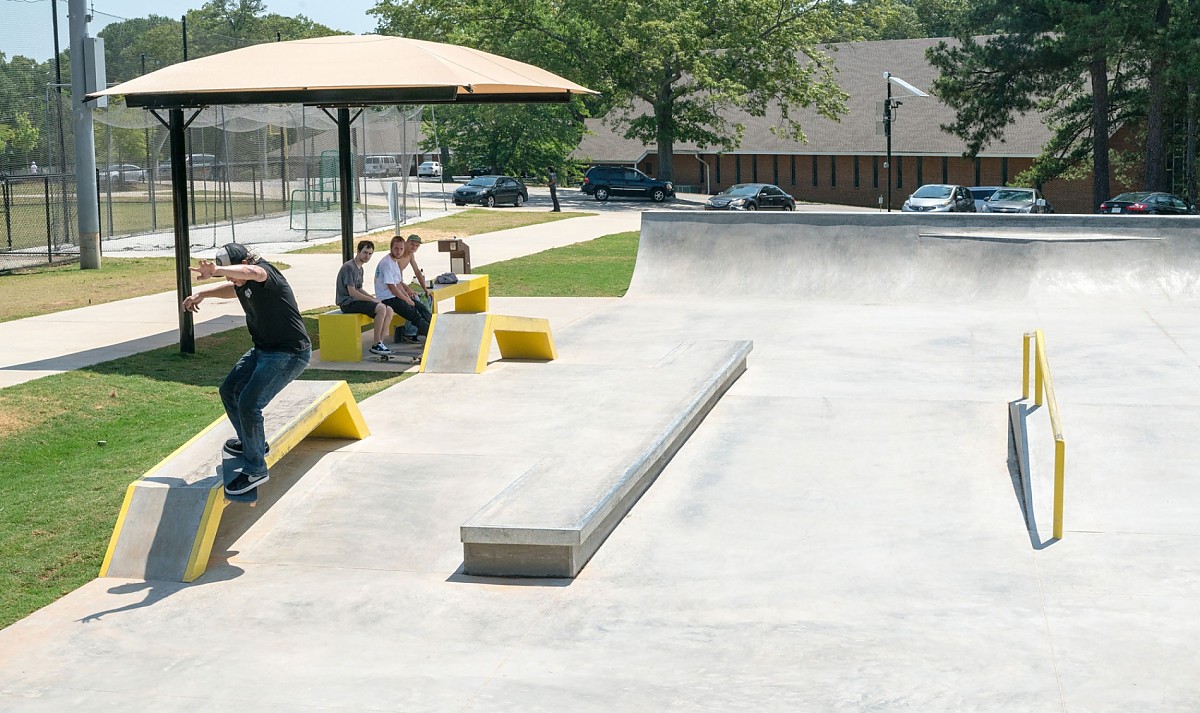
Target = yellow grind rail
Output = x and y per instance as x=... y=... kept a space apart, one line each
x=1044 y=385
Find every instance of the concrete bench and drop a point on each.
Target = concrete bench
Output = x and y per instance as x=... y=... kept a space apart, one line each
x=169 y=519
x=551 y=520
x=461 y=343
x=341 y=333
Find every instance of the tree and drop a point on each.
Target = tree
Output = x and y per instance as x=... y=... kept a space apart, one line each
x=516 y=139
x=669 y=67
x=1052 y=56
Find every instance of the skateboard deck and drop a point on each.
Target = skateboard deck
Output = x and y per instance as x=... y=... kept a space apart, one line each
x=398 y=357
x=229 y=466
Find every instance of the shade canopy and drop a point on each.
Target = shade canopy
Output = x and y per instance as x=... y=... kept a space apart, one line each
x=346 y=70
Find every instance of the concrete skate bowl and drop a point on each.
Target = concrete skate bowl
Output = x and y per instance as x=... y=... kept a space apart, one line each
x=869 y=258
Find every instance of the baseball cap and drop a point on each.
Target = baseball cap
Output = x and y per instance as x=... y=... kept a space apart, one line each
x=231 y=254
x=416 y=238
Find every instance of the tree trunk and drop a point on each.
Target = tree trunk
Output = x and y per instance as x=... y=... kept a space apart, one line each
x=1099 y=72
x=664 y=121
x=1190 y=170
x=1156 y=137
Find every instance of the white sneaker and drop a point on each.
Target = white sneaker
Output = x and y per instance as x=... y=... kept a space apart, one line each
x=380 y=348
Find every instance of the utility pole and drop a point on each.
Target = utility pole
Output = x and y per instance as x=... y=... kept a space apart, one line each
x=87 y=208
x=889 y=116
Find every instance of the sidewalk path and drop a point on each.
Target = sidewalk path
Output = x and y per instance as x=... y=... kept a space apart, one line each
x=53 y=343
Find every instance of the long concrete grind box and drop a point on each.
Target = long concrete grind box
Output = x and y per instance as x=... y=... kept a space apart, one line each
x=169 y=519
x=554 y=517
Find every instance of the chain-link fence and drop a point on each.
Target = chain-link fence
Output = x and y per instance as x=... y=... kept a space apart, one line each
x=256 y=174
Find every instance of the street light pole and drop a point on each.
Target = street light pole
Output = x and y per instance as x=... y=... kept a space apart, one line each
x=887 y=130
x=889 y=115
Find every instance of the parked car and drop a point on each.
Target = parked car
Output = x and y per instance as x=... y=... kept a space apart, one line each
x=431 y=169
x=940 y=198
x=377 y=166
x=601 y=182
x=1017 y=200
x=751 y=196
x=484 y=171
x=201 y=167
x=1147 y=203
x=981 y=194
x=490 y=190
x=123 y=173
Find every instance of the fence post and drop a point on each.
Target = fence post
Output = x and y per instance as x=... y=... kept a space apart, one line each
x=254 y=187
x=7 y=191
x=49 y=232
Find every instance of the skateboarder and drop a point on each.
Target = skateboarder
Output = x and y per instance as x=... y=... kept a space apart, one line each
x=281 y=350
x=390 y=286
x=351 y=297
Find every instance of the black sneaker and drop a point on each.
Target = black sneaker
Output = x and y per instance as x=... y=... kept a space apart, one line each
x=234 y=447
x=244 y=482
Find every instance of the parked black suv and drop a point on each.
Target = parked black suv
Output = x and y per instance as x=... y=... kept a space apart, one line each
x=604 y=181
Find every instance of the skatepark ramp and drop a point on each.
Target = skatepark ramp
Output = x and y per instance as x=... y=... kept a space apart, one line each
x=869 y=257
x=169 y=518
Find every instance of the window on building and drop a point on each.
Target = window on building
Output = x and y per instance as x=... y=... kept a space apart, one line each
x=1004 y=171
x=945 y=169
x=814 y=170
x=737 y=168
x=775 y=167
x=793 y=169
x=977 y=171
x=875 y=172
x=833 y=171
x=754 y=168
x=899 y=172
x=920 y=172
x=856 y=171
x=718 y=162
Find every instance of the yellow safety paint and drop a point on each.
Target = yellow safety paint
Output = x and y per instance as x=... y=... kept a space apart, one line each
x=1044 y=385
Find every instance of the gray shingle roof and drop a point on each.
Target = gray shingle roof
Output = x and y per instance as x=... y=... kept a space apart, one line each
x=860 y=68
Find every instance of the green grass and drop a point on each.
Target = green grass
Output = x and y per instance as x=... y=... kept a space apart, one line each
x=28 y=293
x=461 y=225
x=60 y=491
x=596 y=268
x=24 y=225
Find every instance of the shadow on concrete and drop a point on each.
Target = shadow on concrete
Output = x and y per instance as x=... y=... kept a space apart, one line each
x=460 y=578
x=236 y=518
x=1019 y=469
x=156 y=591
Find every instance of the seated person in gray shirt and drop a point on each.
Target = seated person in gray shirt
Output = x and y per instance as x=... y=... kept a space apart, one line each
x=354 y=300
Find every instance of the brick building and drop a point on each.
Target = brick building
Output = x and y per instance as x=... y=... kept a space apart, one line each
x=843 y=161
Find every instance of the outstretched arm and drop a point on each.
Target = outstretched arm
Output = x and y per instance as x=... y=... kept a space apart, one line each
x=223 y=290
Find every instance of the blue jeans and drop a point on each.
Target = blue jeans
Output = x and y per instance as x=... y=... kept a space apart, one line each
x=256 y=379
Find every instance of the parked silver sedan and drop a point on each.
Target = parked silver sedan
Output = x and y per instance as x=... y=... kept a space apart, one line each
x=940 y=198
x=1017 y=200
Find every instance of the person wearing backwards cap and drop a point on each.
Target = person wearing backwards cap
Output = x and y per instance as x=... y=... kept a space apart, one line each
x=281 y=350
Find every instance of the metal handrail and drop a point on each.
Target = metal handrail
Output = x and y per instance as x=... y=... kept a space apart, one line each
x=1044 y=385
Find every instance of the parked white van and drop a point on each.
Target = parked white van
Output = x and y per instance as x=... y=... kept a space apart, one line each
x=375 y=166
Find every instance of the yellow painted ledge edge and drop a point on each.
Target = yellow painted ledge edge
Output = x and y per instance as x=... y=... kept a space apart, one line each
x=112 y=542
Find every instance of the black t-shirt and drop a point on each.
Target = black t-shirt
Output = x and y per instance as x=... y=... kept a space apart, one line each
x=272 y=314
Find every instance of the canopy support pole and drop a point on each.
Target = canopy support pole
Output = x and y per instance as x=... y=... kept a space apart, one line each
x=346 y=176
x=183 y=258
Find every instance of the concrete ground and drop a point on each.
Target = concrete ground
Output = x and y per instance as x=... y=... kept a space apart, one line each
x=846 y=531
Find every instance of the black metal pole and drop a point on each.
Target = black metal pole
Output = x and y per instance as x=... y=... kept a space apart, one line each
x=183 y=258
x=5 y=188
x=149 y=174
x=887 y=130
x=49 y=233
x=346 y=175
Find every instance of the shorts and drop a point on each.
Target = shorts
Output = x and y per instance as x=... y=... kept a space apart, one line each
x=360 y=307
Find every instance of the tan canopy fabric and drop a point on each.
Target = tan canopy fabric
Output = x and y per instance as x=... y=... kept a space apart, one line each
x=346 y=70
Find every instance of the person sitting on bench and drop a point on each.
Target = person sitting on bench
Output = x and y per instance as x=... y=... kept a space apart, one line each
x=352 y=299
x=390 y=287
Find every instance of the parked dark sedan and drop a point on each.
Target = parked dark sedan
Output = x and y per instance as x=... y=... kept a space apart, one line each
x=1147 y=203
x=490 y=190
x=751 y=196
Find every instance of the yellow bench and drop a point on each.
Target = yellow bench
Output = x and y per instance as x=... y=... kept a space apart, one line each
x=169 y=518
x=341 y=333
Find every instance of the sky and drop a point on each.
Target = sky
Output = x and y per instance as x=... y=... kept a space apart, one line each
x=26 y=25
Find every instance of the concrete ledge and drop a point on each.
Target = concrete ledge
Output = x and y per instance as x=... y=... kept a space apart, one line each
x=169 y=518
x=551 y=520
